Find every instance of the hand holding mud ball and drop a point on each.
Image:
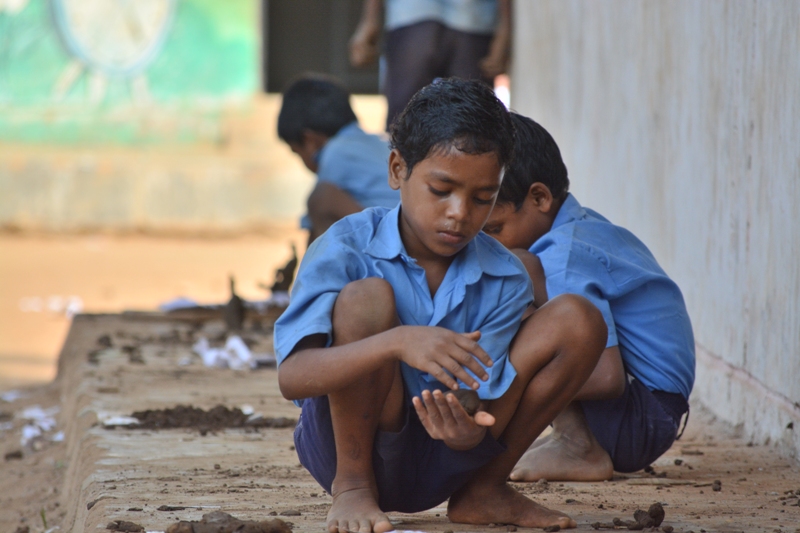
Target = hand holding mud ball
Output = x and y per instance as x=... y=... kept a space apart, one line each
x=453 y=417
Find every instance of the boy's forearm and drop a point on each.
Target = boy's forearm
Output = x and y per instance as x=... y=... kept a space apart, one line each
x=317 y=371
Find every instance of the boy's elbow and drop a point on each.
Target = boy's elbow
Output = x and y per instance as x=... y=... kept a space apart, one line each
x=287 y=385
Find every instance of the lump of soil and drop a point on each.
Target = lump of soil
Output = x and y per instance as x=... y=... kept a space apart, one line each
x=468 y=399
x=124 y=525
x=219 y=522
x=15 y=455
x=656 y=512
x=641 y=519
x=219 y=417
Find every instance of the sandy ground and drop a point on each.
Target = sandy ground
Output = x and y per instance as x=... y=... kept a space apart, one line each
x=96 y=475
x=40 y=275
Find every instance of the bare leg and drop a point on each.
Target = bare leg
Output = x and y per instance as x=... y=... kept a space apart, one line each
x=363 y=308
x=554 y=354
x=572 y=453
x=327 y=204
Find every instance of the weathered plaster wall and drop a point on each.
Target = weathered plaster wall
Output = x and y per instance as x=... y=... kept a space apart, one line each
x=681 y=121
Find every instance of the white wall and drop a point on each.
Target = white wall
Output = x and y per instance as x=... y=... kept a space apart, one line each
x=681 y=121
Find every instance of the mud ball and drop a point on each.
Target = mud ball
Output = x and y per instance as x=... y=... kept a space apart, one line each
x=468 y=399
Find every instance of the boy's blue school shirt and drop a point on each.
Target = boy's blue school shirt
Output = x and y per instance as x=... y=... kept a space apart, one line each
x=485 y=289
x=358 y=163
x=584 y=253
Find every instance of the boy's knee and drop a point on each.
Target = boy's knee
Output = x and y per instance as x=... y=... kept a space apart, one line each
x=584 y=318
x=366 y=306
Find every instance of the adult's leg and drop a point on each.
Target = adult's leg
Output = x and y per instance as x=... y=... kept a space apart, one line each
x=413 y=60
x=363 y=308
x=554 y=353
x=465 y=53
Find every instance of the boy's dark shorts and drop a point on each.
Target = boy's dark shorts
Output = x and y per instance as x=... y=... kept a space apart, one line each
x=413 y=471
x=638 y=427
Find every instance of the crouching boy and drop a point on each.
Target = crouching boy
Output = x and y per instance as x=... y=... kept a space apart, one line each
x=318 y=124
x=393 y=308
x=630 y=409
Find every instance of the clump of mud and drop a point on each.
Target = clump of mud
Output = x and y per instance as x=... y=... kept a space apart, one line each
x=217 y=418
x=219 y=522
x=124 y=526
x=641 y=520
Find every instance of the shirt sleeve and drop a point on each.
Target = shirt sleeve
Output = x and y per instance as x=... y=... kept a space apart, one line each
x=580 y=271
x=333 y=166
x=329 y=265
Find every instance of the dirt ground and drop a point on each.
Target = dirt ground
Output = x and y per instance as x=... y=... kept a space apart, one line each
x=110 y=273
x=155 y=477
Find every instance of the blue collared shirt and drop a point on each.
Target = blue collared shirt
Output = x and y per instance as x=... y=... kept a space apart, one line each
x=583 y=253
x=485 y=289
x=358 y=163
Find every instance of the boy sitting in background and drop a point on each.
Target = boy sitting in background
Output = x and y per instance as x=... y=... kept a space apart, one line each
x=319 y=125
x=392 y=308
x=628 y=412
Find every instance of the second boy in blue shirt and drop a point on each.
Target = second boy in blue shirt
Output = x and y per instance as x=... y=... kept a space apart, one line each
x=630 y=408
x=318 y=124
x=393 y=307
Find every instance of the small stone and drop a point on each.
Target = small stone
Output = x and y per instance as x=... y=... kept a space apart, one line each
x=678 y=462
x=217 y=467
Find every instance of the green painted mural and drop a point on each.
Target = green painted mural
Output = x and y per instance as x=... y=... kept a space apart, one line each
x=124 y=71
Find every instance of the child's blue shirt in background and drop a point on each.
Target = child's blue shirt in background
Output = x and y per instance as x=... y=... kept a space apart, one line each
x=485 y=289
x=358 y=163
x=583 y=253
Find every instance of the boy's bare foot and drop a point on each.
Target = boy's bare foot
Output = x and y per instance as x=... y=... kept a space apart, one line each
x=357 y=511
x=501 y=504
x=562 y=458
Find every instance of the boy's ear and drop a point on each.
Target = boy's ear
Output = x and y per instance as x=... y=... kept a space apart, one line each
x=540 y=195
x=398 y=169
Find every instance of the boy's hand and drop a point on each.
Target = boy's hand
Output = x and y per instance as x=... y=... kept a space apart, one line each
x=445 y=419
x=444 y=354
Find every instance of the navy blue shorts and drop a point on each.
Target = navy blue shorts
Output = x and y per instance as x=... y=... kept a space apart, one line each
x=638 y=427
x=414 y=472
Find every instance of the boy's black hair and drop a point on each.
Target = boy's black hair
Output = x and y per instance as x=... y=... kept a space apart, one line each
x=453 y=113
x=314 y=102
x=536 y=159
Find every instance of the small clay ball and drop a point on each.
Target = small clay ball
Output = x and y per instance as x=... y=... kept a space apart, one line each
x=468 y=399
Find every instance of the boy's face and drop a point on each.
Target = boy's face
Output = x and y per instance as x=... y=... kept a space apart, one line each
x=308 y=148
x=517 y=228
x=446 y=200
